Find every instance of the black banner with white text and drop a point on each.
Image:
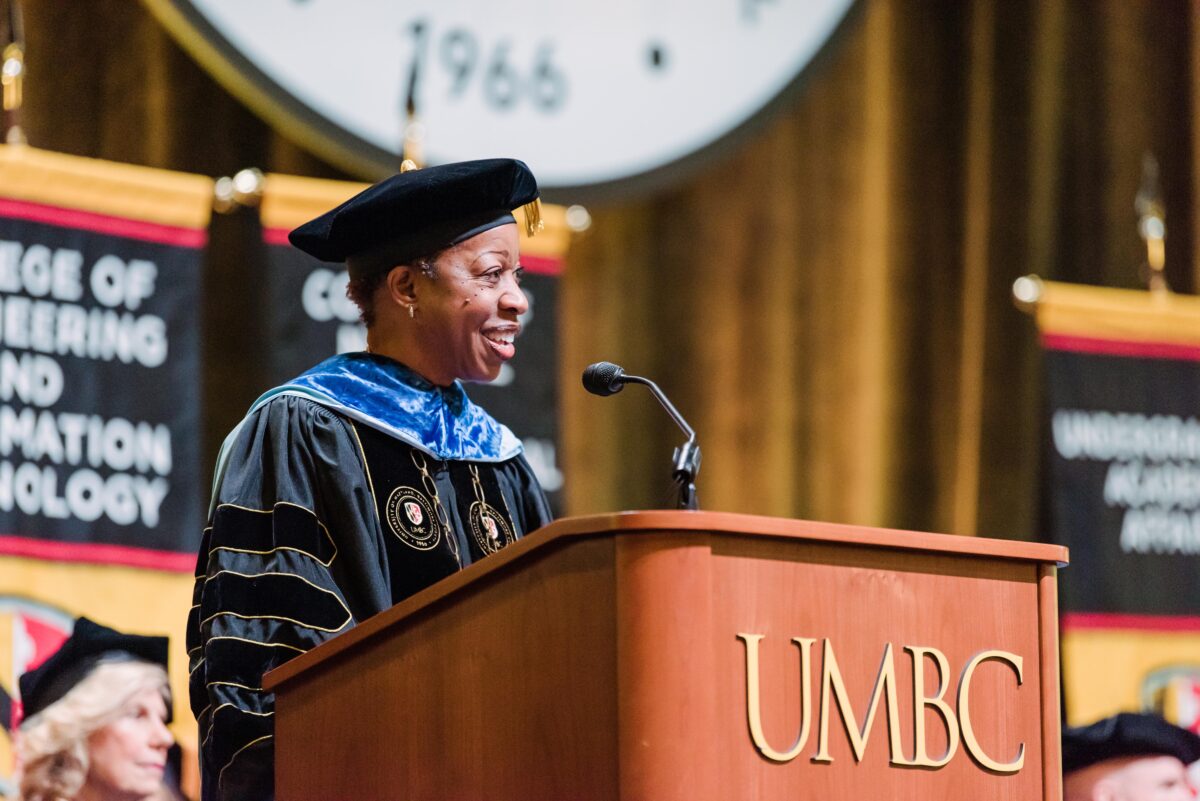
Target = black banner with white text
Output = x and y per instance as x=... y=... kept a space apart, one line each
x=1122 y=492
x=99 y=385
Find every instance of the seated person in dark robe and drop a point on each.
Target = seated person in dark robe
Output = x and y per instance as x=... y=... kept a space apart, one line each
x=96 y=715
x=1129 y=757
x=372 y=475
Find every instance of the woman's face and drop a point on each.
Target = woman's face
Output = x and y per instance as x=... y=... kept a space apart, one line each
x=468 y=312
x=127 y=756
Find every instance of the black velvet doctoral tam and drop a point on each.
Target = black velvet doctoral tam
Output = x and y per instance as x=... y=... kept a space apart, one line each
x=1127 y=734
x=417 y=213
x=89 y=645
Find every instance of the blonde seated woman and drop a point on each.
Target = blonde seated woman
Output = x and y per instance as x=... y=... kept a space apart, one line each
x=95 y=720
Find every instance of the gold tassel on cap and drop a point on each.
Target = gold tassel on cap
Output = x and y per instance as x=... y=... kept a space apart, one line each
x=408 y=165
x=533 y=217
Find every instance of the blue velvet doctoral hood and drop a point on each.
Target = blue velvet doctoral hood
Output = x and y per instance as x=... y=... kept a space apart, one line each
x=386 y=395
x=383 y=393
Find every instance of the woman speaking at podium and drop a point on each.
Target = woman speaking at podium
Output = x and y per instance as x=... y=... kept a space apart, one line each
x=372 y=475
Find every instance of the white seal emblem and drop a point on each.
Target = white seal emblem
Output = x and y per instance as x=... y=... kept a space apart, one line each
x=411 y=518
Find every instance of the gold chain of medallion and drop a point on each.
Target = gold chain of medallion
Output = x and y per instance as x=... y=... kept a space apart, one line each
x=482 y=507
x=443 y=517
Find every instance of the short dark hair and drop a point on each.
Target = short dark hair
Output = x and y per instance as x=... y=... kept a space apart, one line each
x=361 y=290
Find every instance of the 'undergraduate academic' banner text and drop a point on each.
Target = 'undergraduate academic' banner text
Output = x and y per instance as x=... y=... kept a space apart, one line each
x=1122 y=491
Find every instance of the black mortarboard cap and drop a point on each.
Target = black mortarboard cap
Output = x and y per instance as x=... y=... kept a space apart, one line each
x=89 y=645
x=1127 y=734
x=419 y=212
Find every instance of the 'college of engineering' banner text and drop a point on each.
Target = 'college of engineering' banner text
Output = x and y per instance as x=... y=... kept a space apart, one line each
x=101 y=502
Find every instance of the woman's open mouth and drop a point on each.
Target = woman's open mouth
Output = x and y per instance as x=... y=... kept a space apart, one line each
x=501 y=341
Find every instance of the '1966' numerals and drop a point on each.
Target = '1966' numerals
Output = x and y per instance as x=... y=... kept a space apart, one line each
x=470 y=63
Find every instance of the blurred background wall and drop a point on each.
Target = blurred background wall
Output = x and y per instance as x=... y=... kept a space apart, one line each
x=828 y=302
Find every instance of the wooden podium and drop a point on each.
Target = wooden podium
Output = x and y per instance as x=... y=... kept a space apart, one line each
x=687 y=656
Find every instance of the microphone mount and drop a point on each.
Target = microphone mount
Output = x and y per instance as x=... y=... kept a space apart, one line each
x=606 y=378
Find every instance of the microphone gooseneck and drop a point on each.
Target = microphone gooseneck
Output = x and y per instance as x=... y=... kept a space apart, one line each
x=606 y=378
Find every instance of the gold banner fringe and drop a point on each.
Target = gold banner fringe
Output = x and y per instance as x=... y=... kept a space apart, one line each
x=146 y=194
x=1118 y=314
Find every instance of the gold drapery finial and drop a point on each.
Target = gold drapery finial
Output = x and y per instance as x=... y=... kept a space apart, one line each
x=412 y=150
x=12 y=71
x=1152 y=226
x=12 y=76
x=244 y=189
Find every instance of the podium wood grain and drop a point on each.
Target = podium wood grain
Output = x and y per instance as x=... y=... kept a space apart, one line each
x=599 y=659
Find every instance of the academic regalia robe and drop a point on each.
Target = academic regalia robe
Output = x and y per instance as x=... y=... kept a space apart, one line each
x=340 y=494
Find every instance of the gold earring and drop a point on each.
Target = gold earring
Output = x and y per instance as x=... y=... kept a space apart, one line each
x=412 y=312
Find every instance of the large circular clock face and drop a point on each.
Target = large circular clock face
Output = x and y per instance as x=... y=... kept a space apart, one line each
x=587 y=91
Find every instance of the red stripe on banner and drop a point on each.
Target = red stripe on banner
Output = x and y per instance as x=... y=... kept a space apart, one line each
x=103 y=224
x=1116 y=620
x=1121 y=347
x=276 y=236
x=97 y=554
x=542 y=265
x=538 y=265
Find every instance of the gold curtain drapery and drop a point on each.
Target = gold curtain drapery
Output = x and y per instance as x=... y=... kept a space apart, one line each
x=828 y=301
x=830 y=305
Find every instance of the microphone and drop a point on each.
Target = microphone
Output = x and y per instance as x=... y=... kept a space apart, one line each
x=606 y=378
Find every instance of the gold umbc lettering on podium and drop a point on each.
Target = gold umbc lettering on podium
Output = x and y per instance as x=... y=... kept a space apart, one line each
x=955 y=720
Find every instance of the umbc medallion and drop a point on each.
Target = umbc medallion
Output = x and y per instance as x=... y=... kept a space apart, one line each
x=488 y=526
x=411 y=517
